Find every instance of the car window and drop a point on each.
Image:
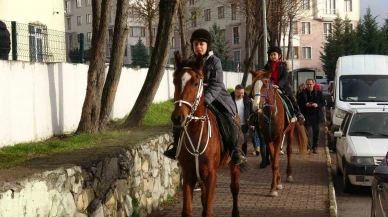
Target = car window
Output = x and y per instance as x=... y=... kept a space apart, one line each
x=374 y=123
x=346 y=118
x=346 y=126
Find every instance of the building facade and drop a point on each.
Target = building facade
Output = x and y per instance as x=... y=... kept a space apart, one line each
x=40 y=29
x=311 y=28
x=78 y=18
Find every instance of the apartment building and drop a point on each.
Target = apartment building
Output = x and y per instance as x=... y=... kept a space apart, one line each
x=205 y=13
x=311 y=28
x=38 y=28
x=315 y=25
x=78 y=18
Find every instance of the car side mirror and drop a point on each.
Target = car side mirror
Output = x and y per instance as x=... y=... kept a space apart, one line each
x=338 y=134
x=381 y=173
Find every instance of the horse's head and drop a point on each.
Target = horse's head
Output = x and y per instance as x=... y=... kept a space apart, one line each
x=261 y=89
x=188 y=81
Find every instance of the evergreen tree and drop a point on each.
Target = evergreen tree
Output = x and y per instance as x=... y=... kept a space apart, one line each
x=350 y=39
x=140 y=55
x=220 y=46
x=384 y=31
x=371 y=38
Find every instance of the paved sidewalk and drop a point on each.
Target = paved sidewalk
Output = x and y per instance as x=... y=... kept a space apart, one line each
x=306 y=196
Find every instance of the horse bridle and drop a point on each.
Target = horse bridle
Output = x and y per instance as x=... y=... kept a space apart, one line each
x=193 y=107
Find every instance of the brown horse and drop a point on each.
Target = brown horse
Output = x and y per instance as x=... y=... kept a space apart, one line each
x=275 y=125
x=199 y=149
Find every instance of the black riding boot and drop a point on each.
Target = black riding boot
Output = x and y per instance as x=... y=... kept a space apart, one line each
x=171 y=152
x=235 y=154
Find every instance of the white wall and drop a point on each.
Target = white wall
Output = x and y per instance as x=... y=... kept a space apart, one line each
x=38 y=100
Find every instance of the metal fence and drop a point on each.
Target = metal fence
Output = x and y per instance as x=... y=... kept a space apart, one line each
x=34 y=42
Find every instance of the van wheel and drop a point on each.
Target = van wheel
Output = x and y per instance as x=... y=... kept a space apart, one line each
x=337 y=167
x=348 y=187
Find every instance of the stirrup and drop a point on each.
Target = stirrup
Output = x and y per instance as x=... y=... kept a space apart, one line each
x=241 y=158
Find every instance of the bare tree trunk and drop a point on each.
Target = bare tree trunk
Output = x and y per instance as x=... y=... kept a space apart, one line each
x=116 y=62
x=91 y=108
x=167 y=9
x=150 y=32
x=183 y=29
x=290 y=34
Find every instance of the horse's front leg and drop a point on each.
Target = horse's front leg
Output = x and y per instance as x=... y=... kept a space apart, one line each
x=290 y=137
x=187 y=189
x=274 y=151
x=234 y=187
x=208 y=196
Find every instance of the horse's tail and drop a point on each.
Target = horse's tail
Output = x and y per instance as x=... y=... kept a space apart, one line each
x=301 y=138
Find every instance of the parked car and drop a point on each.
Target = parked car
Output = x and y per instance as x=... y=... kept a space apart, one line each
x=321 y=79
x=362 y=143
x=380 y=190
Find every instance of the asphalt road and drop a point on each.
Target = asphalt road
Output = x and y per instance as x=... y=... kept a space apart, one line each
x=356 y=204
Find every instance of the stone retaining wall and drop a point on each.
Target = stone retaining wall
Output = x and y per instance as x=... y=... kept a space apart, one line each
x=130 y=182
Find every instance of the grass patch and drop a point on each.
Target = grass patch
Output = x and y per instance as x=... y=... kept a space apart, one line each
x=157 y=116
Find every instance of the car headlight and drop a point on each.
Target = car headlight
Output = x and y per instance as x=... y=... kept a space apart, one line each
x=340 y=113
x=362 y=160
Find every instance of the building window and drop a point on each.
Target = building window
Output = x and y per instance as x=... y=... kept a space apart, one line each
x=294 y=53
x=110 y=35
x=329 y=7
x=306 y=5
x=306 y=52
x=71 y=41
x=68 y=23
x=172 y=46
x=89 y=36
x=137 y=31
x=78 y=4
x=221 y=12
x=236 y=35
x=234 y=11
x=36 y=42
x=326 y=30
x=306 y=28
x=193 y=19
x=236 y=59
x=88 y=18
x=348 y=5
x=88 y=2
x=79 y=20
x=207 y=14
x=294 y=27
x=191 y=2
x=67 y=6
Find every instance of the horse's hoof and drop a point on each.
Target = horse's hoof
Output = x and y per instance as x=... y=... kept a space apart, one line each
x=290 y=179
x=273 y=194
x=279 y=187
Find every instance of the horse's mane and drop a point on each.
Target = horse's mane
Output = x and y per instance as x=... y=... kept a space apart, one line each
x=191 y=63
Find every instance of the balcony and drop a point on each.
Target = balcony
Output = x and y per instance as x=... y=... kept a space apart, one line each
x=326 y=14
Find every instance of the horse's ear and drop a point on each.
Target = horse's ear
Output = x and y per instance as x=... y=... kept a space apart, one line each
x=254 y=74
x=178 y=59
x=199 y=61
x=267 y=74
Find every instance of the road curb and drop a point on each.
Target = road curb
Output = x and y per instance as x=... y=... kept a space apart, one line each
x=332 y=197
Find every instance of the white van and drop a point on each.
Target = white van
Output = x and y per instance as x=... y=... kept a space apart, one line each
x=361 y=81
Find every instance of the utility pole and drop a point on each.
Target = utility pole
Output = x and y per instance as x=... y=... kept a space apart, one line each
x=265 y=31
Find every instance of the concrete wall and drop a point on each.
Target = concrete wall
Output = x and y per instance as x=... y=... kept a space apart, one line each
x=42 y=100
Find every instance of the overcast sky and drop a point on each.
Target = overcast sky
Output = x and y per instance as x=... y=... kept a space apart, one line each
x=378 y=8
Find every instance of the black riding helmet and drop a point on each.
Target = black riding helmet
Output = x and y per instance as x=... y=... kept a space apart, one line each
x=203 y=35
x=274 y=49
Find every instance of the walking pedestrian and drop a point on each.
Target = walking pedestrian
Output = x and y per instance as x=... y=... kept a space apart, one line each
x=244 y=110
x=311 y=102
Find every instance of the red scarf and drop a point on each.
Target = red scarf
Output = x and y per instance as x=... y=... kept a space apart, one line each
x=275 y=71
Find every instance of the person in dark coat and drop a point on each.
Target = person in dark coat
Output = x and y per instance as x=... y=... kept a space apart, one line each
x=216 y=94
x=279 y=77
x=5 y=41
x=311 y=102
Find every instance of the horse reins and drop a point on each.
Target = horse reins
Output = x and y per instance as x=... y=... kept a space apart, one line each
x=193 y=107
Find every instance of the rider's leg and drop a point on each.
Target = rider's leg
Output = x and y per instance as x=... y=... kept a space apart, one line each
x=237 y=157
x=170 y=153
x=288 y=92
